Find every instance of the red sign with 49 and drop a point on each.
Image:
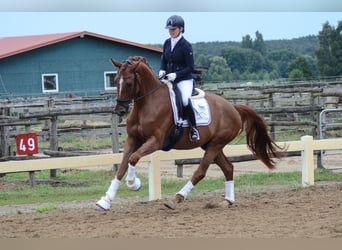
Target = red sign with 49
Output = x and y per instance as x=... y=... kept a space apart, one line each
x=27 y=144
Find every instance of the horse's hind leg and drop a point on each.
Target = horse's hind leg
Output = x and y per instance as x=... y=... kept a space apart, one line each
x=228 y=171
x=197 y=176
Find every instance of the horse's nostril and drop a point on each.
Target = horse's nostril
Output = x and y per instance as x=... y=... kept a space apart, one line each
x=119 y=113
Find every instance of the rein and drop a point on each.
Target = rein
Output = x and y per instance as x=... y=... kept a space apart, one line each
x=148 y=93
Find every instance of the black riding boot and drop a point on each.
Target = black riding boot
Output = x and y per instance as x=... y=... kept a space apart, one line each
x=190 y=115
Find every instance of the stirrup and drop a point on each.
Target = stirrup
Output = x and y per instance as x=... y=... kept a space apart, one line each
x=194 y=135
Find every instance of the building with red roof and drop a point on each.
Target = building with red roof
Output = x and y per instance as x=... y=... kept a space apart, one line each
x=66 y=63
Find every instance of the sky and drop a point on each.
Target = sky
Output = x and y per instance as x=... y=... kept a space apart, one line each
x=143 y=21
x=149 y=27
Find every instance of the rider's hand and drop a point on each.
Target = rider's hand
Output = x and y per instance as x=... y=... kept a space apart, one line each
x=171 y=76
x=161 y=74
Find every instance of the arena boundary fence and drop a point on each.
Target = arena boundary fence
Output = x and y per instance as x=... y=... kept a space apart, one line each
x=326 y=121
x=307 y=145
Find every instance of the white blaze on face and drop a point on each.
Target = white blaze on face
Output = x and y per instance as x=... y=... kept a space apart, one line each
x=120 y=84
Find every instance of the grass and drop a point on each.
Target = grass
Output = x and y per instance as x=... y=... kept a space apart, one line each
x=78 y=185
x=80 y=143
x=46 y=209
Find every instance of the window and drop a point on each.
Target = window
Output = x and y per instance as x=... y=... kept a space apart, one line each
x=50 y=83
x=109 y=80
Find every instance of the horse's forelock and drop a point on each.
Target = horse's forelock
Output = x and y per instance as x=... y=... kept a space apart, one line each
x=140 y=59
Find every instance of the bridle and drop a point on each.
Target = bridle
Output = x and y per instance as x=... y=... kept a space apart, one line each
x=133 y=99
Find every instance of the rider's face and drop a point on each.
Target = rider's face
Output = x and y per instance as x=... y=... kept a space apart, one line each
x=175 y=32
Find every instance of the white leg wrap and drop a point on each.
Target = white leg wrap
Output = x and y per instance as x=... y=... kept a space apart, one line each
x=132 y=182
x=113 y=188
x=105 y=201
x=229 y=191
x=186 y=189
x=130 y=173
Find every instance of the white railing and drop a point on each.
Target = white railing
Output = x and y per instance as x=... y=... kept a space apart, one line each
x=306 y=145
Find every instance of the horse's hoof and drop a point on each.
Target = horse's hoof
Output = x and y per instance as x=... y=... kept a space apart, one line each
x=103 y=204
x=230 y=202
x=226 y=203
x=178 y=198
x=170 y=205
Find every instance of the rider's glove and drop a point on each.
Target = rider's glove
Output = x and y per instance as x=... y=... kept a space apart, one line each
x=171 y=77
x=161 y=74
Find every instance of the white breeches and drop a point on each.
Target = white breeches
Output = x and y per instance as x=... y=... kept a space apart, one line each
x=185 y=87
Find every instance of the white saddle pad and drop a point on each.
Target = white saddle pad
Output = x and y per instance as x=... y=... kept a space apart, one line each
x=200 y=106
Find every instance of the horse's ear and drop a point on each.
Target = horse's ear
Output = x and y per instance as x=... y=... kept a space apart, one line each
x=116 y=63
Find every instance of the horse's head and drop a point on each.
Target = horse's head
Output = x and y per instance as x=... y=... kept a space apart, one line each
x=126 y=84
x=129 y=80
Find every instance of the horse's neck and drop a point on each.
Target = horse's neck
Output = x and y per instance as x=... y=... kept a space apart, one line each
x=149 y=82
x=152 y=99
x=149 y=85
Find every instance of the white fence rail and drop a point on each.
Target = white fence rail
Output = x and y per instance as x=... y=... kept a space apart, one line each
x=307 y=145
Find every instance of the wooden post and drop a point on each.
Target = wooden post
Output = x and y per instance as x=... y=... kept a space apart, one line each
x=32 y=178
x=31 y=173
x=272 y=129
x=180 y=170
x=53 y=135
x=307 y=161
x=313 y=115
x=4 y=145
x=115 y=137
x=53 y=141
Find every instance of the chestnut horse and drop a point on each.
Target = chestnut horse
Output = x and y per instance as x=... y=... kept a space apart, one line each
x=151 y=120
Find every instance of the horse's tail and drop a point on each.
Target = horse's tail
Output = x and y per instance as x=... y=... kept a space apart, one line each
x=258 y=139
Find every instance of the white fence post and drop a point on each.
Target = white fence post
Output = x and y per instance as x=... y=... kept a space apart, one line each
x=154 y=179
x=307 y=161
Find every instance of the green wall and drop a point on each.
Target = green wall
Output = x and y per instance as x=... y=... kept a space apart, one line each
x=80 y=64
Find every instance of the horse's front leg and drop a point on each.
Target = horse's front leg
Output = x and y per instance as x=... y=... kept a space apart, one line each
x=105 y=202
x=132 y=155
x=150 y=146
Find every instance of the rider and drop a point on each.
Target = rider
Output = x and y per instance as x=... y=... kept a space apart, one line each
x=177 y=63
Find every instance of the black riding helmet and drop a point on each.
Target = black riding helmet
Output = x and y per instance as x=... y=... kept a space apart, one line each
x=174 y=22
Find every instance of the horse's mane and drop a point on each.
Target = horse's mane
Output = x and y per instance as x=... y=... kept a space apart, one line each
x=140 y=59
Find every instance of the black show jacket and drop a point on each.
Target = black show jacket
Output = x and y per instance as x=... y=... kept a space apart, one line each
x=179 y=61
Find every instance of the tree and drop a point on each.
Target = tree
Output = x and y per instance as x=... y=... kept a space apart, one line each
x=296 y=75
x=218 y=70
x=247 y=42
x=243 y=59
x=281 y=60
x=202 y=60
x=329 y=53
x=302 y=65
x=259 y=44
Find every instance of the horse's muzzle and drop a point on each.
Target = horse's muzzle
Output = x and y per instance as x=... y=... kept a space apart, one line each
x=121 y=109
